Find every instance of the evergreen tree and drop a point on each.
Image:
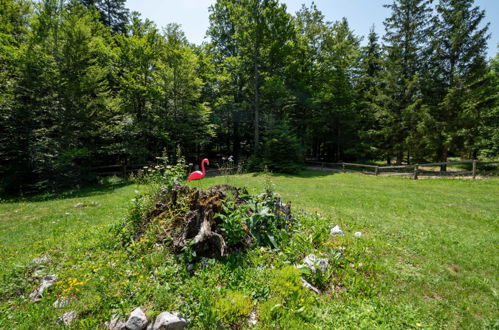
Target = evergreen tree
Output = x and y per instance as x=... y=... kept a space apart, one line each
x=405 y=43
x=113 y=13
x=368 y=87
x=458 y=57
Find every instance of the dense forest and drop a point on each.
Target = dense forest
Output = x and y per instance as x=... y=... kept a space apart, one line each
x=88 y=83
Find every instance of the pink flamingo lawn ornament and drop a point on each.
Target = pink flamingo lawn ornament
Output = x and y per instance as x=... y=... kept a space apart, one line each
x=198 y=175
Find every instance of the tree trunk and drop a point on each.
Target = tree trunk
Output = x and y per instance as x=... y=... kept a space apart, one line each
x=443 y=158
x=400 y=156
x=256 y=78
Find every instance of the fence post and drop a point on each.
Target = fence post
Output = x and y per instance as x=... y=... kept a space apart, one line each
x=415 y=175
x=343 y=166
x=376 y=170
x=474 y=168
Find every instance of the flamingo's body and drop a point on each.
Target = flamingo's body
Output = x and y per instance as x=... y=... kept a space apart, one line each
x=198 y=175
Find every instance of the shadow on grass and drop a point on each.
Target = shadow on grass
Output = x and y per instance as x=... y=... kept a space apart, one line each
x=87 y=191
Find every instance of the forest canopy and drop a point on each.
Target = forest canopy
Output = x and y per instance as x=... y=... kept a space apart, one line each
x=88 y=83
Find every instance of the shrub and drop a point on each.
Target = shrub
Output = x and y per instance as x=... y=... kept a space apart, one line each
x=162 y=173
x=282 y=151
x=234 y=308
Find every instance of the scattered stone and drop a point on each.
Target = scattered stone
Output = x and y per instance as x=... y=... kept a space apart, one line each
x=190 y=268
x=357 y=234
x=61 y=302
x=307 y=285
x=67 y=318
x=47 y=282
x=80 y=205
x=336 y=230
x=137 y=320
x=312 y=262
x=253 y=318
x=41 y=260
x=169 y=321
x=116 y=323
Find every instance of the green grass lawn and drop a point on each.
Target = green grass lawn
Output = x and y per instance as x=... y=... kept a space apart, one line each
x=428 y=257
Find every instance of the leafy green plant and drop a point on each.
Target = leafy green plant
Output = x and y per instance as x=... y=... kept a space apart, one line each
x=270 y=220
x=163 y=173
x=233 y=220
x=320 y=278
x=233 y=308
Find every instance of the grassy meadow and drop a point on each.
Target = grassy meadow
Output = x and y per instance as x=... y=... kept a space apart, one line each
x=428 y=258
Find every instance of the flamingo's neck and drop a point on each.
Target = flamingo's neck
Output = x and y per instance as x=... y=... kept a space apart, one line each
x=202 y=167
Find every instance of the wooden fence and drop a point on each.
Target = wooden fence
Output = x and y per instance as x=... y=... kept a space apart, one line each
x=413 y=170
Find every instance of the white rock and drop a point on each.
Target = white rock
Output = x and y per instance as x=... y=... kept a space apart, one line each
x=116 y=323
x=47 y=282
x=41 y=260
x=307 y=285
x=312 y=262
x=137 y=320
x=357 y=234
x=336 y=230
x=169 y=321
x=61 y=302
x=67 y=318
x=80 y=205
x=253 y=318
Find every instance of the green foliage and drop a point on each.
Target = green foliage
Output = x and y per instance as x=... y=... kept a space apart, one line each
x=270 y=221
x=232 y=308
x=233 y=219
x=85 y=84
x=283 y=152
x=286 y=307
x=160 y=178
x=163 y=173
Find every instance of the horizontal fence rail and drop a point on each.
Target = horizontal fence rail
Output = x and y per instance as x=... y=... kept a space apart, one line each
x=413 y=170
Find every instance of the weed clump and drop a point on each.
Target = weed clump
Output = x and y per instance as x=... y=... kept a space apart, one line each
x=206 y=223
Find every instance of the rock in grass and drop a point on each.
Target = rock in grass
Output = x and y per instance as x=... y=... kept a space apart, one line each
x=67 y=318
x=80 y=205
x=137 y=320
x=253 y=318
x=357 y=234
x=336 y=230
x=312 y=262
x=116 y=323
x=47 y=282
x=309 y=286
x=61 y=302
x=169 y=321
x=41 y=260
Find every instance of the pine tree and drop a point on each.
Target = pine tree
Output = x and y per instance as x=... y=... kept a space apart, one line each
x=113 y=13
x=14 y=20
x=405 y=42
x=368 y=88
x=458 y=57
